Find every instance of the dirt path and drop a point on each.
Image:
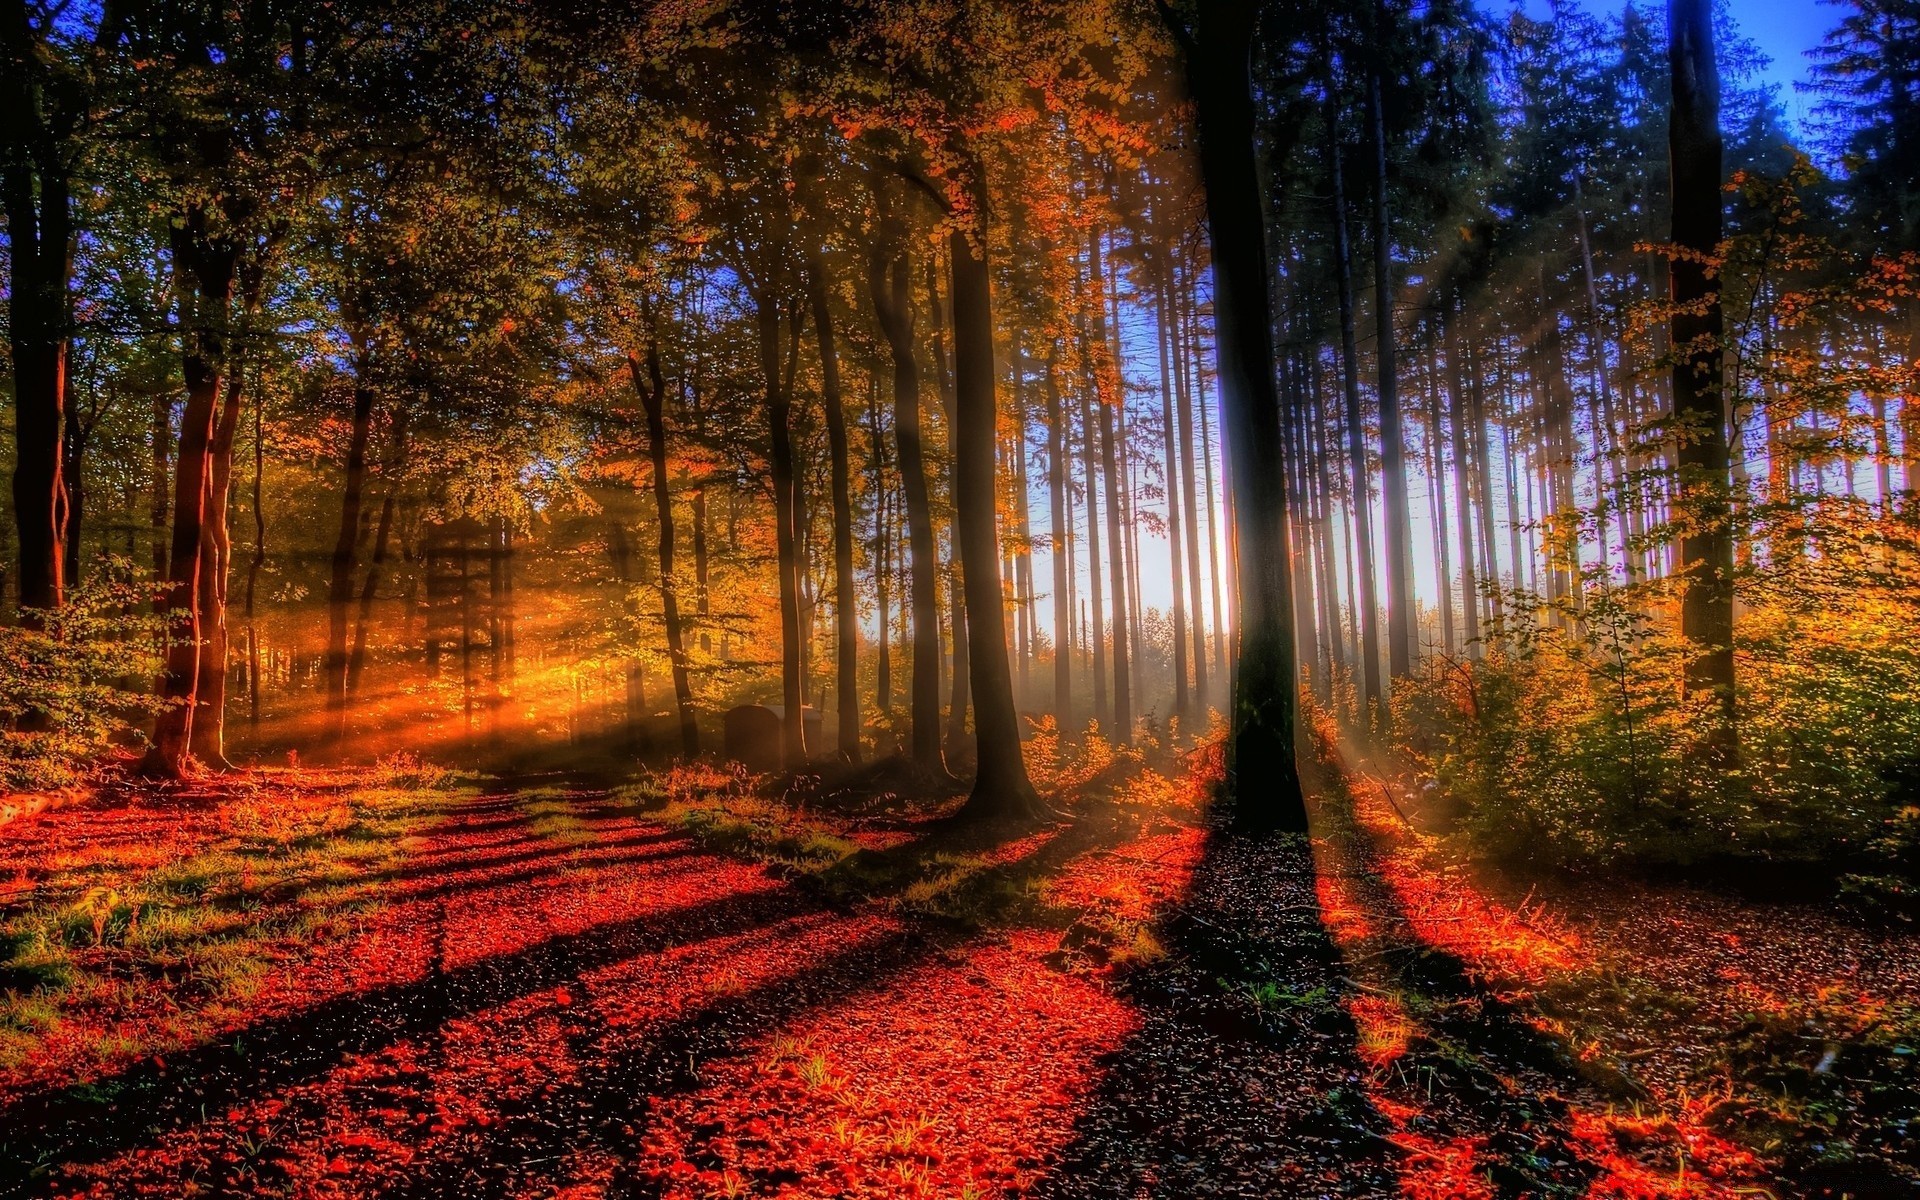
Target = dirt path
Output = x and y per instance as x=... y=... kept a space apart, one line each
x=561 y=998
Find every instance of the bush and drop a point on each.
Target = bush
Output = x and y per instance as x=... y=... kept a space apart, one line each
x=74 y=682
x=1568 y=743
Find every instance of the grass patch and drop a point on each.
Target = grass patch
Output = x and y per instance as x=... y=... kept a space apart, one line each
x=204 y=924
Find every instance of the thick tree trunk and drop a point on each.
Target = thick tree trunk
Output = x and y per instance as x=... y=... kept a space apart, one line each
x=1262 y=775
x=1706 y=550
x=206 y=270
x=35 y=192
x=891 y=285
x=209 y=736
x=1001 y=789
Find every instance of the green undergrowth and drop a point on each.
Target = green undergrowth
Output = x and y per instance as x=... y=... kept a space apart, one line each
x=940 y=872
x=1817 y=1082
x=114 y=930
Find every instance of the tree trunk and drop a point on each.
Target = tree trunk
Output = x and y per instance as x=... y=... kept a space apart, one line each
x=382 y=537
x=1393 y=470
x=1706 y=551
x=652 y=391
x=345 y=543
x=35 y=192
x=846 y=615
x=1110 y=394
x=1058 y=470
x=206 y=269
x=208 y=739
x=793 y=746
x=1359 y=488
x=1173 y=481
x=890 y=282
x=1097 y=629
x=1262 y=775
x=1190 y=508
x=1001 y=789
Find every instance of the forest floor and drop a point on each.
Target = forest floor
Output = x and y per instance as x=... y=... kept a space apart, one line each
x=403 y=982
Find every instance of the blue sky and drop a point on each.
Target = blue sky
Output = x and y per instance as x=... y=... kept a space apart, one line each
x=1783 y=29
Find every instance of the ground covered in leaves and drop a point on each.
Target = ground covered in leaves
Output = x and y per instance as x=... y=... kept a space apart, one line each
x=401 y=982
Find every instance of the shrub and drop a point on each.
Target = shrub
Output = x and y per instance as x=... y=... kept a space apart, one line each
x=74 y=681
x=1568 y=741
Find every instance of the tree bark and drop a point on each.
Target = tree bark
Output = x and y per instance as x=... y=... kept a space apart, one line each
x=34 y=188
x=890 y=281
x=652 y=391
x=206 y=266
x=1001 y=789
x=1359 y=490
x=1109 y=395
x=1706 y=548
x=1058 y=470
x=1262 y=775
x=1393 y=470
x=346 y=541
x=846 y=615
x=793 y=746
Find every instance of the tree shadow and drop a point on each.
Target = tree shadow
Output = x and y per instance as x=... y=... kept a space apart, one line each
x=1242 y=1079
x=94 y=1121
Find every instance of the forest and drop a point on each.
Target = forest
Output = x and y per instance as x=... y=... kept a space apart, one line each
x=959 y=598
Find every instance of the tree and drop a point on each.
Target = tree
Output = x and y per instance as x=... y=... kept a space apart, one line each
x=1263 y=778
x=1696 y=328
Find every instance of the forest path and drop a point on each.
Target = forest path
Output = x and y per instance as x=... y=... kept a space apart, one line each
x=560 y=997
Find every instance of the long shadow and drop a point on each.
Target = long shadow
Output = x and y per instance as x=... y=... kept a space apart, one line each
x=1242 y=1080
x=610 y=1102
x=94 y=1121
x=1496 y=1075
x=535 y=850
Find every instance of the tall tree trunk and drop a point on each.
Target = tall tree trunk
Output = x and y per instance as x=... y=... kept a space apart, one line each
x=1097 y=629
x=1058 y=470
x=1393 y=470
x=346 y=541
x=205 y=267
x=890 y=282
x=652 y=390
x=1001 y=789
x=1110 y=393
x=1262 y=775
x=793 y=746
x=846 y=614
x=1359 y=488
x=208 y=738
x=35 y=191
x=1469 y=581
x=1706 y=550
x=1173 y=481
x=377 y=560
x=881 y=553
x=1190 y=508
